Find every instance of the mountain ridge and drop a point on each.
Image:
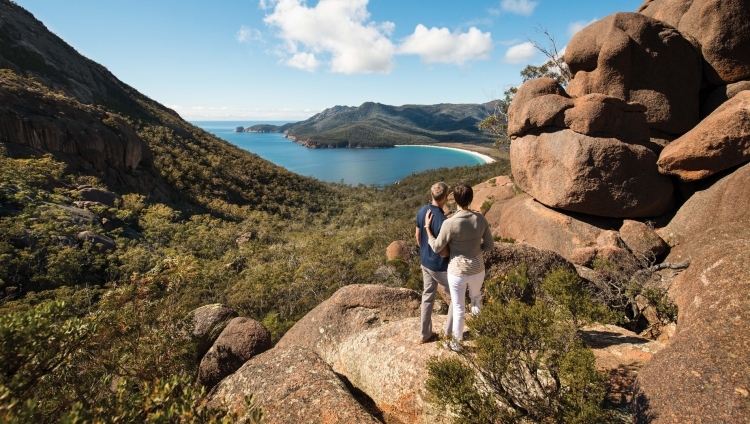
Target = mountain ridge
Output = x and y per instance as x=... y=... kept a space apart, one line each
x=373 y=124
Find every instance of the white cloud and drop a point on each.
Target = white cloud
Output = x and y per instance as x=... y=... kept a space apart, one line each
x=247 y=34
x=441 y=46
x=520 y=53
x=574 y=27
x=519 y=7
x=304 y=61
x=340 y=28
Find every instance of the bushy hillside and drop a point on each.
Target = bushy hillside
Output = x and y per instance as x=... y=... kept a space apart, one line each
x=379 y=125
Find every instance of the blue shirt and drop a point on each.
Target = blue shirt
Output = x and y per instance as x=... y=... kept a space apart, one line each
x=429 y=259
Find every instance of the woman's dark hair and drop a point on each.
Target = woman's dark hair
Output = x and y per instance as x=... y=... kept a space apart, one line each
x=463 y=195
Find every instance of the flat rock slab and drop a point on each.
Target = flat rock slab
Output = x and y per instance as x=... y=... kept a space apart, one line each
x=527 y=221
x=597 y=176
x=293 y=385
x=703 y=376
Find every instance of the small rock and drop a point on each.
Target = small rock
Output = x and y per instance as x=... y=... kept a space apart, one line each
x=240 y=340
x=398 y=249
x=103 y=243
x=244 y=238
x=642 y=240
x=108 y=225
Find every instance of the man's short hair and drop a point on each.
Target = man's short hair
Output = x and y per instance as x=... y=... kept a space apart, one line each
x=439 y=191
x=463 y=195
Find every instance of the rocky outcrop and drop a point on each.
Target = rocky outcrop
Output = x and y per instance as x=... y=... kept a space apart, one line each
x=724 y=201
x=494 y=190
x=719 y=142
x=104 y=197
x=527 y=221
x=386 y=363
x=398 y=249
x=639 y=59
x=293 y=385
x=351 y=310
x=721 y=29
x=369 y=335
x=537 y=103
x=704 y=374
x=694 y=245
x=597 y=176
x=208 y=322
x=240 y=340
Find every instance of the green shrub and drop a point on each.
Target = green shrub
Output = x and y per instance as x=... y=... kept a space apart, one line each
x=526 y=361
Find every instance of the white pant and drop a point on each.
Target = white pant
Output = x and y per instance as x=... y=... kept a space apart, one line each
x=457 y=285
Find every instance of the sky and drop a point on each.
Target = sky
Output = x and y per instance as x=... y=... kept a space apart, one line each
x=285 y=60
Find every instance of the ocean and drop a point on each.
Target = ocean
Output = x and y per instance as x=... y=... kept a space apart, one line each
x=351 y=166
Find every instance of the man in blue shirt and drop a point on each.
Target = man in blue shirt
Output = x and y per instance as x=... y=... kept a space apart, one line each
x=434 y=266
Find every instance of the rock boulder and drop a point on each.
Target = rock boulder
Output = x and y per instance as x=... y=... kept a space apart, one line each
x=293 y=385
x=240 y=340
x=102 y=243
x=500 y=188
x=597 y=176
x=719 y=142
x=639 y=59
x=527 y=221
x=506 y=257
x=720 y=95
x=642 y=240
x=398 y=249
x=721 y=29
x=208 y=322
x=705 y=371
x=726 y=200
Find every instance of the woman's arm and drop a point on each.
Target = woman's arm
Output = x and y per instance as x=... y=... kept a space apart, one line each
x=436 y=243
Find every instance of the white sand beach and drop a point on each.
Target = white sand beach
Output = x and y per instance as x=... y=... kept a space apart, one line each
x=485 y=158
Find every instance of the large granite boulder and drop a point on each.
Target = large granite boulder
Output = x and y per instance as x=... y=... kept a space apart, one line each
x=720 y=95
x=597 y=176
x=527 y=221
x=639 y=59
x=704 y=374
x=726 y=200
x=208 y=322
x=494 y=190
x=351 y=310
x=388 y=365
x=293 y=385
x=721 y=29
x=369 y=335
x=719 y=142
x=241 y=339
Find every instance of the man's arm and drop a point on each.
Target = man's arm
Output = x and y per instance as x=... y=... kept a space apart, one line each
x=416 y=236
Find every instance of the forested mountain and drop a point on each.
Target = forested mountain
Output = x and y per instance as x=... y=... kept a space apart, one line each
x=379 y=125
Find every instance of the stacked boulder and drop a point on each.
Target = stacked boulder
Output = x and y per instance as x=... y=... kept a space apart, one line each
x=657 y=114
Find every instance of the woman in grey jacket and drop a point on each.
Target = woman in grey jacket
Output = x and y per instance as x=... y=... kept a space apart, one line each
x=467 y=235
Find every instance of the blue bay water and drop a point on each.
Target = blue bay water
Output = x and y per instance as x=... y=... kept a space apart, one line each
x=353 y=166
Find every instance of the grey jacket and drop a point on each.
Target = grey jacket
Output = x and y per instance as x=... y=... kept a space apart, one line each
x=468 y=235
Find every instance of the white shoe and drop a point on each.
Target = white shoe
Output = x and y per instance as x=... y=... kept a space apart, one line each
x=475 y=310
x=452 y=345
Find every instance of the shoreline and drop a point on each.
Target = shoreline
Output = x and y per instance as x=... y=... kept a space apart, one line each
x=485 y=158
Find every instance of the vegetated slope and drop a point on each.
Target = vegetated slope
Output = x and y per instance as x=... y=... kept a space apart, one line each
x=56 y=101
x=379 y=125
